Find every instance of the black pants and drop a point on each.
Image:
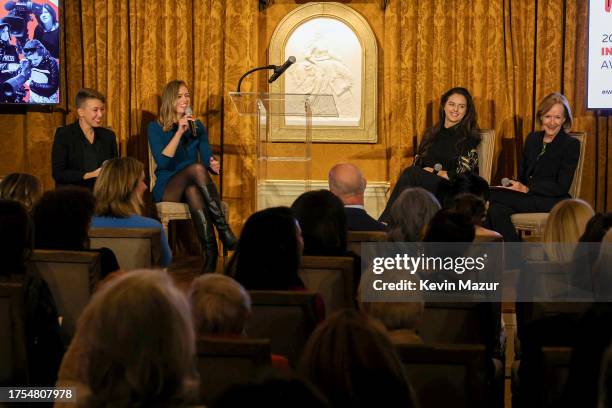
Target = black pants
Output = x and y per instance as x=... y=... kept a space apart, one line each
x=504 y=203
x=416 y=177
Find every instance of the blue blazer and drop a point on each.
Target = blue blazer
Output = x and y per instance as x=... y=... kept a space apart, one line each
x=186 y=153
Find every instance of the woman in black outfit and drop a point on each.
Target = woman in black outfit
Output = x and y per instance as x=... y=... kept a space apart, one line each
x=448 y=148
x=550 y=157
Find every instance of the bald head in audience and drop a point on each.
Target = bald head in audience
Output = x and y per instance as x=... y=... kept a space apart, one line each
x=348 y=183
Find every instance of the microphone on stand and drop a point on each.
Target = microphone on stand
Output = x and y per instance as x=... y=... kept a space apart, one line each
x=278 y=71
x=192 y=125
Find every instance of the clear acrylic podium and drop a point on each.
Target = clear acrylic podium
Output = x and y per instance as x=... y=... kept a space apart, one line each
x=283 y=139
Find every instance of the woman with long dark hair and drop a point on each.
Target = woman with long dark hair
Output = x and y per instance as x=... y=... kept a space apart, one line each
x=447 y=149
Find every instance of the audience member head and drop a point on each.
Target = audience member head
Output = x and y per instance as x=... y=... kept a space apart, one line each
x=273 y=389
x=348 y=183
x=352 y=361
x=175 y=99
x=119 y=188
x=565 y=225
x=554 y=111
x=219 y=305
x=597 y=227
x=323 y=221
x=602 y=271
x=394 y=315
x=90 y=107
x=21 y=187
x=62 y=218
x=471 y=206
x=137 y=344
x=471 y=183
x=450 y=226
x=410 y=214
x=269 y=251
x=16 y=237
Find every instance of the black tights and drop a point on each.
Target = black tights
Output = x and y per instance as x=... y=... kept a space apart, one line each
x=184 y=186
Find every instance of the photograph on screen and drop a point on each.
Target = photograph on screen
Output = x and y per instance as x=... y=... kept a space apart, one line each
x=29 y=52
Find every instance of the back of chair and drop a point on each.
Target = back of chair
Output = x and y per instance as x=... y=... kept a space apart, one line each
x=354 y=239
x=446 y=375
x=135 y=248
x=577 y=181
x=332 y=277
x=461 y=322
x=555 y=372
x=486 y=152
x=72 y=277
x=13 y=361
x=287 y=318
x=223 y=362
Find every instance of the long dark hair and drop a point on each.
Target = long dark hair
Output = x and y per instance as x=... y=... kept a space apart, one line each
x=467 y=128
x=268 y=253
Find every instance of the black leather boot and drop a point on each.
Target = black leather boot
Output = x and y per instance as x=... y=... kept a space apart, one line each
x=208 y=241
x=213 y=203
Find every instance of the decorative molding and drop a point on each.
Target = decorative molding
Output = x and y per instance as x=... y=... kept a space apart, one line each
x=320 y=60
x=384 y=4
x=273 y=193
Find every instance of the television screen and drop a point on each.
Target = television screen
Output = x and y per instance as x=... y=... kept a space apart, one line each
x=29 y=52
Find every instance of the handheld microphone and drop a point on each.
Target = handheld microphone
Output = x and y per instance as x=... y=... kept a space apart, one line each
x=192 y=125
x=437 y=167
x=280 y=70
x=506 y=182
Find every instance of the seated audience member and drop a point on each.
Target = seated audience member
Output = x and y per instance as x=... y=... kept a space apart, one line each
x=410 y=214
x=348 y=183
x=118 y=193
x=592 y=336
x=62 y=218
x=450 y=226
x=586 y=253
x=323 y=223
x=220 y=306
x=565 y=225
x=43 y=341
x=80 y=149
x=134 y=346
x=273 y=390
x=21 y=187
x=269 y=251
x=352 y=361
x=475 y=209
x=602 y=271
x=471 y=183
x=401 y=319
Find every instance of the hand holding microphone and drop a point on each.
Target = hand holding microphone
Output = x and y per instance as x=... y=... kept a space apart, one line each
x=191 y=122
x=514 y=185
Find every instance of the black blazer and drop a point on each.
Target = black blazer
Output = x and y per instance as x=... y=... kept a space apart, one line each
x=359 y=220
x=549 y=175
x=67 y=157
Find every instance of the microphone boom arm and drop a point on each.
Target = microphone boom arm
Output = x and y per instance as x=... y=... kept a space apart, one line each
x=274 y=67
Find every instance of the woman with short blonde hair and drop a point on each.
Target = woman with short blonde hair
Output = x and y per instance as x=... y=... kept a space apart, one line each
x=564 y=227
x=118 y=192
x=134 y=345
x=546 y=170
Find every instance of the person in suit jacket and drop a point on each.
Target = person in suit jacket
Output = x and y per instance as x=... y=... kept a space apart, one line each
x=546 y=172
x=348 y=183
x=80 y=149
